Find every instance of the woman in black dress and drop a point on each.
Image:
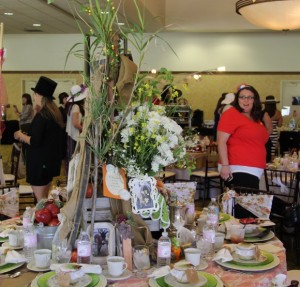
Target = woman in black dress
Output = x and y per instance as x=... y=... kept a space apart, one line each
x=44 y=140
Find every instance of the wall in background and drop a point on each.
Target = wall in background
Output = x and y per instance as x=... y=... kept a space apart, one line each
x=202 y=94
x=29 y=56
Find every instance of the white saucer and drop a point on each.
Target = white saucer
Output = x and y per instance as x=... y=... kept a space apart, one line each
x=6 y=244
x=203 y=265
x=31 y=266
x=126 y=274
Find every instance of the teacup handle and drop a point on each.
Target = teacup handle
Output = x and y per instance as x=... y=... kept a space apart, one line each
x=125 y=265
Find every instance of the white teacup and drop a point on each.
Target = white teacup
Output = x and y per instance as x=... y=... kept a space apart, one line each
x=42 y=258
x=15 y=238
x=245 y=251
x=193 y=255
x=116 y=265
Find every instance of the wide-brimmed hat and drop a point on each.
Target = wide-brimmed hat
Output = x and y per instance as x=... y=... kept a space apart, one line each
x=45 y=87
x=78 y=93
x=270 y=100
x=229 y=98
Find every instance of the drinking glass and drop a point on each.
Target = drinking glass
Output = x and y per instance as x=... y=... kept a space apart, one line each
x=179 y=218
x=63 y=252
x=141 y=258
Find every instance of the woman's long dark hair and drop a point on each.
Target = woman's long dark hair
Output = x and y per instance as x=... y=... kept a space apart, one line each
x=28 y=99
x=80 y=104
x=50 y=110
x=256 y=110
x=270 y=108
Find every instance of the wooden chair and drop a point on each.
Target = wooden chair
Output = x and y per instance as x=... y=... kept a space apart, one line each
x=209 y=176
x=12 y=177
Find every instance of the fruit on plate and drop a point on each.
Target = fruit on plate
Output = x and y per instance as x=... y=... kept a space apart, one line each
x=249 y=220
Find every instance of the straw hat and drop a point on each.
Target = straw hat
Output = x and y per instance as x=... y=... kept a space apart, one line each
x=78 y=93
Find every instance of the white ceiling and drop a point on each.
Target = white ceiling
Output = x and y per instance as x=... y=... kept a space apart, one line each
x=169 y=15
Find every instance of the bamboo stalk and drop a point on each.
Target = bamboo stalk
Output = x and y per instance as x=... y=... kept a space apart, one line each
x=1 y=46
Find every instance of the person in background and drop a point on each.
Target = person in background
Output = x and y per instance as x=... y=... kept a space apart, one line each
x=217 y=114
x=241 y=138
x=26 y=116
x=63 y=99
x=197 y=118
x=27 y=113
x=75 y=114
x=43 y=141
x=276 y=118
x=226 y=103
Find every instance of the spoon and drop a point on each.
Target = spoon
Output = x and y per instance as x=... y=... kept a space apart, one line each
x=14 y=275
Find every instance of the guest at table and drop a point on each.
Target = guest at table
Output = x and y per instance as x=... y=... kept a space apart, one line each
x=43 y=140
x=276 y=118
x=241 y=138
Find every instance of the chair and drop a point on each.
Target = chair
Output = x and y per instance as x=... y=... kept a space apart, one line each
x=209 y=176
x=283 y=184
x=166 y=176
x=9 y=202
x=12 y=177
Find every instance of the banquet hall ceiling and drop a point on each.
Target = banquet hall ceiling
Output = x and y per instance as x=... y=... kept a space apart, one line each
x=169 y=15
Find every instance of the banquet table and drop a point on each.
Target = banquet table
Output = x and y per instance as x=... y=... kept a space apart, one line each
x=230 y=278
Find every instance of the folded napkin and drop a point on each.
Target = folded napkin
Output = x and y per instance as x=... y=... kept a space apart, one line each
x=223 y=255
x=13 y=256
x=270 y=248
x=278 y=280
x=160 y=272
x=86 y=268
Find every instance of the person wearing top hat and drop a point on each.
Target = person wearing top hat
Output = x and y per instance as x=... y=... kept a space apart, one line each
x=44 y=147
x=75 y=114
x=276 y=118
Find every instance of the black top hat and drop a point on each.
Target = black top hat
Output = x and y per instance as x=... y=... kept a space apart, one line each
x=270 y=100
x=45 y=87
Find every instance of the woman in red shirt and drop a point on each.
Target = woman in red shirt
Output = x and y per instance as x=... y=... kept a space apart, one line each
x=241 y=138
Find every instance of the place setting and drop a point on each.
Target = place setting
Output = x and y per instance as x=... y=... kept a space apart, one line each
x=116 y=269
x=10 y=260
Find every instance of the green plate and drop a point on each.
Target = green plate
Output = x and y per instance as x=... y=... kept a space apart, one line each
x=42 y=281
x=269 y=236
x=223 y=217
x=272 y=262
x=9 y=267
x=211 y=280
x=267 y=260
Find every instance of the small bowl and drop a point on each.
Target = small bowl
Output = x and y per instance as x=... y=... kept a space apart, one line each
x=245 y=251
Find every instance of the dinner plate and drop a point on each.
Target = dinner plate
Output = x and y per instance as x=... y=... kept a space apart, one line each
x=261 y=260
x=203 y=265
x=212 y=281
x=41 y=280
x=269 y=236
x=31 y=266
x=126 y=274
x=223 y=217
x=6 y=267
x=6 y=244
x=272 y=262
x=171 y=281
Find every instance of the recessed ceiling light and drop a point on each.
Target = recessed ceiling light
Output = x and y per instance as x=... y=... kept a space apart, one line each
x=8 y=13
x=36 y=25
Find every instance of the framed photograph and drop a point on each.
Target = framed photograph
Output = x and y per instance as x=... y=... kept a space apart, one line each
x=103 y=241
x=144 y=195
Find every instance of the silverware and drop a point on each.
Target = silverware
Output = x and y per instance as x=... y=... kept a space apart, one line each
x=14 y=275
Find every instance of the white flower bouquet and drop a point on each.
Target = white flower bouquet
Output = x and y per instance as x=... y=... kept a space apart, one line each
x=149 y=141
